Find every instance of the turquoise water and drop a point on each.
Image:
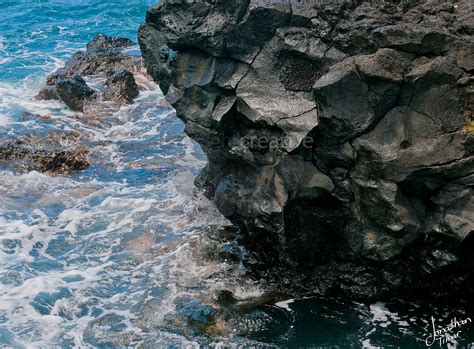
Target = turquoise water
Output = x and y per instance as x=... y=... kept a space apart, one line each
x=36 y=33
x=37 y=36
x=98 y=259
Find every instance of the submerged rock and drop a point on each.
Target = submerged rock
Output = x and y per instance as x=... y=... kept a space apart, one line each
x=109 y=330
x=52 y=161
x=193 y=314
x=54 y=153
x=337 y=134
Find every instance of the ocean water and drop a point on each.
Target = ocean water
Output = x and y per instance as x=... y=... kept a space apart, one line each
x=102 y=258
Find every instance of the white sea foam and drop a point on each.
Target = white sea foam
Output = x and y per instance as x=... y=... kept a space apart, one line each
x=4 y=120
x=244 y=292
x=285 y=304
x=5 y=60
x=380 y=313
x=20 y=96
x=87 y=229
x=367 y=345
x=382 y=318
x=122 y=209
x=14 y=97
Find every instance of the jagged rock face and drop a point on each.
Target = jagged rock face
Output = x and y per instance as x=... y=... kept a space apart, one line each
x=336 y=133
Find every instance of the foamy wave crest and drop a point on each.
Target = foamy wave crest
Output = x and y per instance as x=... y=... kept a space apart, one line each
x=15 y=99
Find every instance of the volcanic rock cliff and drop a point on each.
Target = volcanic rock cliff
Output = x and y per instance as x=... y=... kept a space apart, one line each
x=338 y=133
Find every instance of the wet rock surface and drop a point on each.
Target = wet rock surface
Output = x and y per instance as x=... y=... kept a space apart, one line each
x=105 y=60
x=337 y=135
x=193 y=313
x=121 y=87
x=94 y=83
x=55 y=153
x=74 y=92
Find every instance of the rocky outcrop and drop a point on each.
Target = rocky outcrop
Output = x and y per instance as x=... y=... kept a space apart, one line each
x=94 y=82
x=106 y=62
x=336 y=132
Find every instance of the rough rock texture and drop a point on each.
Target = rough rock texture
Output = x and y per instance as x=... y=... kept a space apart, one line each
x=103 y=59
x=94 y=82
x=56 y=153
x=337 y=134
x=121 y=87
x=74 y=91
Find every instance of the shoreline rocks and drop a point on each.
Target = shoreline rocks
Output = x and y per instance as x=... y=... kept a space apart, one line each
x=93 y=82
x=104 y=59
x=55 y=153
x=337 y=135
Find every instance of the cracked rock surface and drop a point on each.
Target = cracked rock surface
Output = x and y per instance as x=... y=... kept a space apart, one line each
x=337 y=134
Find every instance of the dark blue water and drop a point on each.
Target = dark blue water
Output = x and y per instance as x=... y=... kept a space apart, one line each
x=102 y=258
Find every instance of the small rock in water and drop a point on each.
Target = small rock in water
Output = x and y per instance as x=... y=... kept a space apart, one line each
x=47 y=154
x=193 y=313
x=244 y=306
x=27 y=116
x=63 y=161
x=109 y=330
x=104 y=61
x=142 y=243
